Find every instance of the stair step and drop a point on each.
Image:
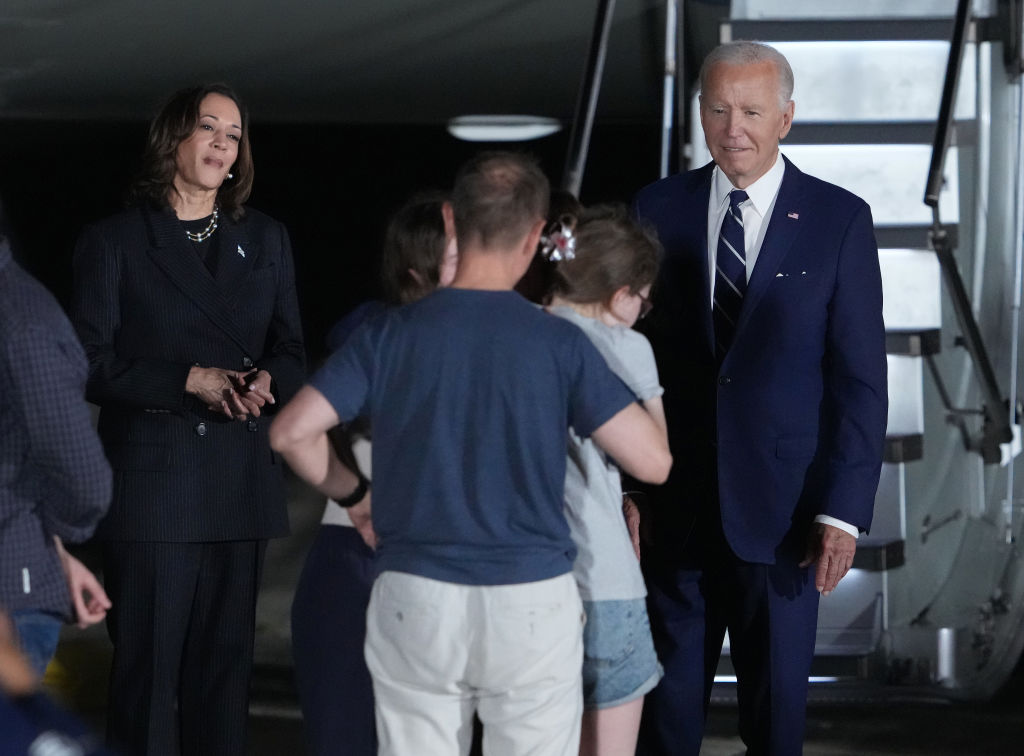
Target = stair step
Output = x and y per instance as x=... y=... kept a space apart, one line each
x=861 y=132
x=842 y=9
x=838 y=29
x=911 y=292
x=889 y=521
x=907 y=448
x=906 y=396
x=879 y=556
x=913 y=343
x=875 y=82
x=911 y=236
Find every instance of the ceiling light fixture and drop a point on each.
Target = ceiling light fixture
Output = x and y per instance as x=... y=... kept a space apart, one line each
x=502 y=128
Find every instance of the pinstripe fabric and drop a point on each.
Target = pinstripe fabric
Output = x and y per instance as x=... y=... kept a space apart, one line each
x=200 y=597
x=147 y=310
x=54 y=479
x=195 y=492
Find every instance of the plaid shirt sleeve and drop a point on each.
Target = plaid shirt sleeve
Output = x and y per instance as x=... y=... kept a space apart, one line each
x=65 y=471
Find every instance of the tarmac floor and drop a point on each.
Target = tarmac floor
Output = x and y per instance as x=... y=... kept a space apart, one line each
x=865 y=723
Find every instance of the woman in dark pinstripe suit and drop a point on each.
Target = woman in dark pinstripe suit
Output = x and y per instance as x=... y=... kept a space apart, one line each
x=185 y=304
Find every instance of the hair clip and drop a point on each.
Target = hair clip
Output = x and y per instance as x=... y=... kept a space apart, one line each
x=558 y=242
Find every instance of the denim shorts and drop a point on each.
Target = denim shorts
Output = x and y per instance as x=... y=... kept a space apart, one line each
x=619 y=663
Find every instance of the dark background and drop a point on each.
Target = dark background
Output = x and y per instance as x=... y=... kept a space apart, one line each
x=333 y=186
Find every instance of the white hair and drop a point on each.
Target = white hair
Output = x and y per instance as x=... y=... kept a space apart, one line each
x=745 y=53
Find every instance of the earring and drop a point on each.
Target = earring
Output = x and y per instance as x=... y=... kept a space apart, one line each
x=230 y=176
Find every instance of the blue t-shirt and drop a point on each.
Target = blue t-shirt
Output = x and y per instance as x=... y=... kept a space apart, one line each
x=470 y=394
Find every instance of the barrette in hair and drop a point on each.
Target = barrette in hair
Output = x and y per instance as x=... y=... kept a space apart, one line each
x=558 y=242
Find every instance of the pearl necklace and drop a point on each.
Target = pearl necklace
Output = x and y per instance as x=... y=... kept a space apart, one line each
x=207 y=232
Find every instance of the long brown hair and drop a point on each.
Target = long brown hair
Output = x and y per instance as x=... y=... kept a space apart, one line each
x=175 y=122
x=612 y=251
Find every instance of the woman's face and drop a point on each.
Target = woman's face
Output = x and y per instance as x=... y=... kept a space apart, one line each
x=204 y=159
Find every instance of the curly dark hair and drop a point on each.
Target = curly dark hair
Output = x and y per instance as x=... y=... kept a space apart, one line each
x=174 y=123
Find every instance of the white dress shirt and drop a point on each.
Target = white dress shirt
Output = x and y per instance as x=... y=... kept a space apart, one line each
x=756 y=209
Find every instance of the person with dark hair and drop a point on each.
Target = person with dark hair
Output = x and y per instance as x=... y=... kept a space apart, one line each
x=602 y=284
x=769 y=337
x=470 y=392
x=329 y=608
x=186 y=305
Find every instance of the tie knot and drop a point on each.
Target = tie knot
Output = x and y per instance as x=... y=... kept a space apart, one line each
x=737 y=197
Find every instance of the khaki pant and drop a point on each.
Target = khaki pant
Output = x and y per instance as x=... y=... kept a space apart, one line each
x=513 y=653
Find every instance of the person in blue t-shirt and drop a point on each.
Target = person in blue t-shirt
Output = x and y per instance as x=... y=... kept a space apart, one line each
x=471 y=392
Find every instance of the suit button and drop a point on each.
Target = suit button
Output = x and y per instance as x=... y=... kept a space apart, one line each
x=724 y=380
x=247 y=362
x=201 y=429
x=253 y=425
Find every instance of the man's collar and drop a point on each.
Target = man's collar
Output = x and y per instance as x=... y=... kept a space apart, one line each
x=762 y=192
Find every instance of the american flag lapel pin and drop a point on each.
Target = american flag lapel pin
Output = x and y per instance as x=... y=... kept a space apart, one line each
x=240 y=250
x=794 y=216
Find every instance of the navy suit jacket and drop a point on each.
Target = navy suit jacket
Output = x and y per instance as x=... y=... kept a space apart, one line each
x=792 y=423
x=147 y=309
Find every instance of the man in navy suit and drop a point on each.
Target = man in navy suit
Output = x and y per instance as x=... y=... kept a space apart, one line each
x=770 y=343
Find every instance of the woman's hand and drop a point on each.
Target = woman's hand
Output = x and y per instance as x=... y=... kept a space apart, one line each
x=217 y=388
x=254 y=393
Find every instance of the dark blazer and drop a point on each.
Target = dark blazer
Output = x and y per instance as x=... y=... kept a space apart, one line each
x=792 y=424
x=147 y=309
x=53 y=477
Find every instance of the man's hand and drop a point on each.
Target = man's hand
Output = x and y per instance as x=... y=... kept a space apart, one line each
x=833 y=550
x=360 y=515
x=90 y=600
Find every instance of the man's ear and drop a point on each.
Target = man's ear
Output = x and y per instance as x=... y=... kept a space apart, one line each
x=449 y=219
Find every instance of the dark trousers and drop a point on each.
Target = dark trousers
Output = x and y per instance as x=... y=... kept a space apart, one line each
x=328 y=631
x=182 y=626
x=770 y=612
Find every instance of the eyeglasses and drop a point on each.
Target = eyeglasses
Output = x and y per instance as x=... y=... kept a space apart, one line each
x=645 y=306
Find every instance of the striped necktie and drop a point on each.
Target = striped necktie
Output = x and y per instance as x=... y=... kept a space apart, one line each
x=730 y=274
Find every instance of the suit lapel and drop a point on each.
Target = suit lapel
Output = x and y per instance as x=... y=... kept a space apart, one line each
x=700 y=225
x=173 y=254
x=783 y=229
x=238 y=252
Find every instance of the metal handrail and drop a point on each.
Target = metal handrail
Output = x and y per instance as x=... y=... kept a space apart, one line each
x=995 y=427
x=586 y=103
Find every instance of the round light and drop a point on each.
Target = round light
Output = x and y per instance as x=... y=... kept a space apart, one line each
x=502 y=128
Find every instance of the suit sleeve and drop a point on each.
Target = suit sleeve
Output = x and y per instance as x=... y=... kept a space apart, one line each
x=283 y=354
x=139 y=382
x=855 y=377
x=64 y=457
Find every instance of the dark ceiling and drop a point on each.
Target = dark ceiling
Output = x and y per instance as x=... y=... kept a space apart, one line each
x=326 y=61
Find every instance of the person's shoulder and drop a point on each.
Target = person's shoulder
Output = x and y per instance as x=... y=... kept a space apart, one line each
x=27 y=306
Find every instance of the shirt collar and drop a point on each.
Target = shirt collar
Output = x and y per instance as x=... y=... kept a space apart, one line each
x=762 y=192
